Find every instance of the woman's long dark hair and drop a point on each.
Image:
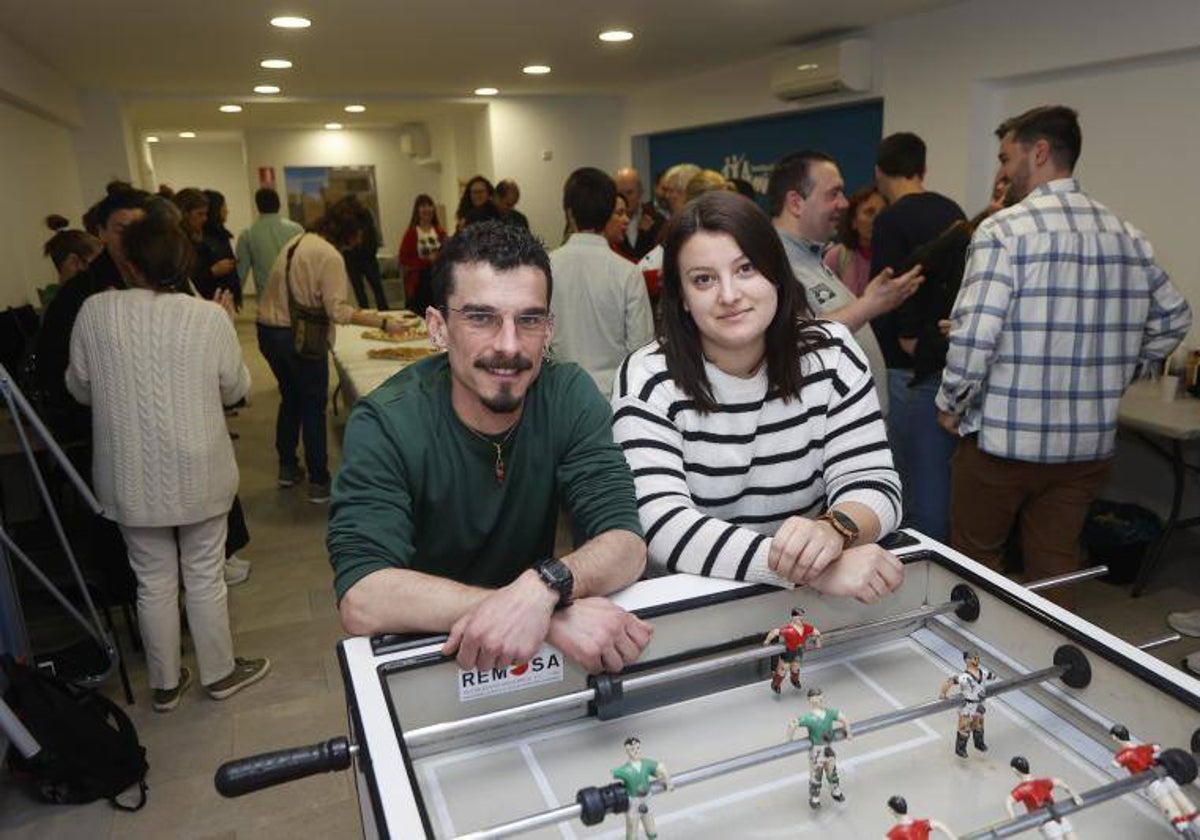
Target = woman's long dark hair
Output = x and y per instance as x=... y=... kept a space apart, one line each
x=789 y=336
x=464 y=203
x=416 y=215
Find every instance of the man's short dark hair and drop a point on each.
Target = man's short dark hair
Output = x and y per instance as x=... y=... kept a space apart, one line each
x=898 y=804
x=791 y=173
x=1019 y=763
x=341 y=223
x=503 y=247
x=590 y=195
x=901 y=155
x=1058 y=125
x=266 y=200
x=120 y=199
x=506 y=186
x=631 y=740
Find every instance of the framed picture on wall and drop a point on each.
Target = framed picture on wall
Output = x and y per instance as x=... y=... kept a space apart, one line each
x=310 y=189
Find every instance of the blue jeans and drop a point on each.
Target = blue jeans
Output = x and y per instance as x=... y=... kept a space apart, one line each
x=922 y=450
x=304 y=390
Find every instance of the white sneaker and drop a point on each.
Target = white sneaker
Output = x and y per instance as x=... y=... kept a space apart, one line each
x=1187 y=623
x=236 y=570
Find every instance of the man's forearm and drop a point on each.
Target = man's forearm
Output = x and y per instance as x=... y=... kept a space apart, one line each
x=854 y=316
x=405 y=601
x=608 y=562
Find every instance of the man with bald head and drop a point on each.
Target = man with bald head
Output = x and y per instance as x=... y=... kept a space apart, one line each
x=645 y=222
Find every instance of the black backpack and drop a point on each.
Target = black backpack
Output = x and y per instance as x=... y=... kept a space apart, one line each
x=90 y=748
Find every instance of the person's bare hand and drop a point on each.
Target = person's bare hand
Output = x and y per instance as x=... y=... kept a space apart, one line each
x=224 y=299
x=885 y=292
x=505 y=628
x=949 y=422
x=599 y=635
x=223 y=267
x=944 y=327
x=802 y=548
x=866 y=573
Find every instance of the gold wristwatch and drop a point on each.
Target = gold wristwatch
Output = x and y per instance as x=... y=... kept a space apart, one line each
x=843 y=524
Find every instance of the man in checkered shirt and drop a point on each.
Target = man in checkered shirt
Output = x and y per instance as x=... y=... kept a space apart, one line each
x=1060 y=302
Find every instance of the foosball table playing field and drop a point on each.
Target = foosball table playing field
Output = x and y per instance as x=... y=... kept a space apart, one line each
x=964 y=703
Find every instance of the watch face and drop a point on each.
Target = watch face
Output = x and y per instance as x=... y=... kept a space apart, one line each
x=844 y=521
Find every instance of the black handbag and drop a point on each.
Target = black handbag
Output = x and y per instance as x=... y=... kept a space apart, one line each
x=310 y=324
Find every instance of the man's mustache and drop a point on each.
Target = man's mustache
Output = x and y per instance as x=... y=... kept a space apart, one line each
x=499 y=362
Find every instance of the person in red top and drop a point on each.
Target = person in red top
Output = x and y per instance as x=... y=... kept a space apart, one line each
x=418 y=249
x=794 y=634
x=907 y=828
x=1138 y=758
x=1038 y=793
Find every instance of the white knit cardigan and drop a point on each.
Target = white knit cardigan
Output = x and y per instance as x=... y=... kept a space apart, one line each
x=157 y=370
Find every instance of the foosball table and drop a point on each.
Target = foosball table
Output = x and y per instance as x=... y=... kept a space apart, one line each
x=694 y=740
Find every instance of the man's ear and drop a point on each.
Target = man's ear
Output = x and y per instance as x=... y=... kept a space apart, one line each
x=439 y=334
x=794 y=202
x=1041 y=152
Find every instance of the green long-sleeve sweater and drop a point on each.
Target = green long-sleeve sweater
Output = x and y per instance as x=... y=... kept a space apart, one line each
x=418 y=490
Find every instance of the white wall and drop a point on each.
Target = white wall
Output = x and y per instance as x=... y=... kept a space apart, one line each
x=576 y=131
x=397 y=178
x=103 y=143
x=32 y=84
x=37 y=168
x=208 y=165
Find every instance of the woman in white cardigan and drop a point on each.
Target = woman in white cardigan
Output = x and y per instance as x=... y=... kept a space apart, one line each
x=157 y=367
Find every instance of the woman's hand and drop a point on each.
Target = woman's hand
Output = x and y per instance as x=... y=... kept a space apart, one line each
x=223 y=268
x=866 y=573
x=224 y=299
x=802 y=548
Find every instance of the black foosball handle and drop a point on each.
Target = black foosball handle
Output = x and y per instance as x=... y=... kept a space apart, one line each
x=246 y=775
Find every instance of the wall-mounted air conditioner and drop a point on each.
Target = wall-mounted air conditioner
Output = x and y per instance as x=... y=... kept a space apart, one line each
x=414 y=140
x=842 y=65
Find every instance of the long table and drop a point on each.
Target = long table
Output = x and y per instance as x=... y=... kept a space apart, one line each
x=1177 y=422
x=359 y=375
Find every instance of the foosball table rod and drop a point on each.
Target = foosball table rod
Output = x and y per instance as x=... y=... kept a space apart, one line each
x=1177 y=764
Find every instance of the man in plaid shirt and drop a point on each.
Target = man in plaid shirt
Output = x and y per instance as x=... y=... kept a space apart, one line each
x=1060 y=302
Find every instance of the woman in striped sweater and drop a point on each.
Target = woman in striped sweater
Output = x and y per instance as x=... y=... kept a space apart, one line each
x=753 y=432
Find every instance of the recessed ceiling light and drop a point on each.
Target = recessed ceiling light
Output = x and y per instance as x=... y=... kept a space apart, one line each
x=231 y=109
x=355 y=109
x=266 y=88
x=187 y=135
x=486 y=91
x=616 y=35
x=151 y=139
x=333 y=126
x=805 y=67
x=536 y=69
x=291 y=22
x=275 y=63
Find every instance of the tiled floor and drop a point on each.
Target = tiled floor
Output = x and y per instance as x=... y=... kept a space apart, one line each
x=285 y=611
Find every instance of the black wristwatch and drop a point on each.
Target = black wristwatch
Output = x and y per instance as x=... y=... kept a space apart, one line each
x=843 y=524
x=555 y=574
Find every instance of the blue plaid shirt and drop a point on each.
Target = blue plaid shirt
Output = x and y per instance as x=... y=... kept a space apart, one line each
x=1060 y=302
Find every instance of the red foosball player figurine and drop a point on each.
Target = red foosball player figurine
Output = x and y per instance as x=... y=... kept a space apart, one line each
x=1038 y=793
x=907 y=828
x=794 y=635
x=970 y=717
x=1137 y=758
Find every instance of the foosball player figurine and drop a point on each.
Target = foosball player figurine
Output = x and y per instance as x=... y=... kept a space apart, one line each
x=794 y=635
x=822 y=760
x=637 y=774
x=970 y=717
x=907 y=828
x=1038 y=793
x=1165 y=792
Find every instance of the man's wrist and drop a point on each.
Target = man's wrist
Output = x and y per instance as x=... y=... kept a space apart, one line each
x=531 y=580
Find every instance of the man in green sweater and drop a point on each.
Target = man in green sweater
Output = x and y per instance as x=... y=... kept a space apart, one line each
x=444 y=510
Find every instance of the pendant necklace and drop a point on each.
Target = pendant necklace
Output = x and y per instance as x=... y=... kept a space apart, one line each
x=499 y=446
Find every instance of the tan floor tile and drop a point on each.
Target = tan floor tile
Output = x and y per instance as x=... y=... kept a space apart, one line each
x=337 y=820
x=289 y=724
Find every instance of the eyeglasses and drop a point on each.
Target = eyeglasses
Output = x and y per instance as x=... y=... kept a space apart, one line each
x=488 y=322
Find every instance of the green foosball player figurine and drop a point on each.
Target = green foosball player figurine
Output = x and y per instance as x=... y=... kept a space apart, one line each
x=822 y=760
x=637 y=774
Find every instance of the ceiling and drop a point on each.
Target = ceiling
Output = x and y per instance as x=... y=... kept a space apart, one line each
x=175 y=61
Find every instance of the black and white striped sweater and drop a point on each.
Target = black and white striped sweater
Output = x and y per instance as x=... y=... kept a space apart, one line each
x=713 y=488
